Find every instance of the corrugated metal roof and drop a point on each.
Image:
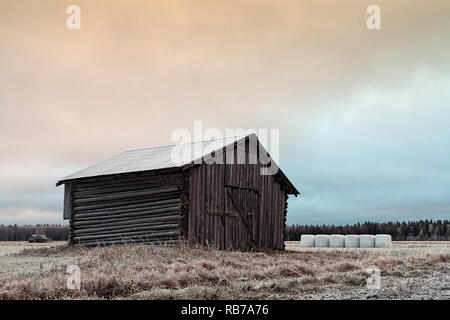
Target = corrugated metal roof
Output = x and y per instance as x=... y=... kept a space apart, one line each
x=153 y=158
x=164 y=157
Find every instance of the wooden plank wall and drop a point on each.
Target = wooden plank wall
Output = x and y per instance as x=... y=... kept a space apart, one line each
x=67 y=200
x=272 y=213
x=209 y=184
x=138 y=207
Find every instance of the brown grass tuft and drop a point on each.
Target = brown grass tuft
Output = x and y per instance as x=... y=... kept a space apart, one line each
x=208 y=265
x=346 y=266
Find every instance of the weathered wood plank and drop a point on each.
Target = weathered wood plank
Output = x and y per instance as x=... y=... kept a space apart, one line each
x=128 y=220
x=126 y=228
x=67 y=201
x=127 y=240
x=142 y=210
x=127 y=195
x=145 y=234
x=129 y=201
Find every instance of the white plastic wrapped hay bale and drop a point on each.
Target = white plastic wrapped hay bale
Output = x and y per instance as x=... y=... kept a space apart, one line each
x=383 y=241
x=366 y=241
x=322 y=241
x=307 y=241
x=351 y=241
x=337 y=241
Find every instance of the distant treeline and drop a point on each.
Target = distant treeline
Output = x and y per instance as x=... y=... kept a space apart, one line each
x=22 y=233
x=422 y=230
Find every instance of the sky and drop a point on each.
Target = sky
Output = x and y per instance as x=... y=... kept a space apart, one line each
x=363 y=114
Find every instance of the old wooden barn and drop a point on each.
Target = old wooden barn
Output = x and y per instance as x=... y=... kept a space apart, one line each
x=146 y=196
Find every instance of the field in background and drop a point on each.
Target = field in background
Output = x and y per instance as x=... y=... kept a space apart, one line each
x=8 y=247
x=409 y=270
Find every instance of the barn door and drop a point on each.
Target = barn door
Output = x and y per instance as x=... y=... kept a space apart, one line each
x=241 y=229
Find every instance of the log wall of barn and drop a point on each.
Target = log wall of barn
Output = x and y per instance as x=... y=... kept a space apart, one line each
x=138 y=207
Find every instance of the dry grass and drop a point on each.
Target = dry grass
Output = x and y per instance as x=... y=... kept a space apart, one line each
x=9 y=247
x=148 y=272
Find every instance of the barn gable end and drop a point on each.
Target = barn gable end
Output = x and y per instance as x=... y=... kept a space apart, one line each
x=233 y=206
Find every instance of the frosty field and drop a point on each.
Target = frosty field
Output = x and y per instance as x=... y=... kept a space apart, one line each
x=409 y=270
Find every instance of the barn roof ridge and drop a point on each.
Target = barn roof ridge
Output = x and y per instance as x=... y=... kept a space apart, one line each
x=183 y=143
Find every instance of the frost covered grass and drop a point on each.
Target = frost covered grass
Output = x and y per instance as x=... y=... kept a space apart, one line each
x=408 y=270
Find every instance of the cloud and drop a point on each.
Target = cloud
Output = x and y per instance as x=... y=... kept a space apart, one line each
x=30 y=176
x=21 y=216
x=363 y=115
x=381 y=155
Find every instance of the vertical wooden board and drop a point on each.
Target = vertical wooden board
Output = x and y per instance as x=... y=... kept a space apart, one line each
x=192 y=206
x=279 y=216
x=269 y=212
x=202 y=211
x=67 y=200
x=215 y=205
x=198 y=213
x=211 y=204
x=240 y=179
x=258 y=173
x=218 y=203
x=228 y=233
x=264 y=212
x=220 y=188
x=232 y=227
x=283 y=226
x=232 y=236
x=282 y=194
x=248 y=205
x=221 y=199
x=241 y=226
x=197 y=199
x=240 y=223
x=274 y=213
x=242 y=202
x=261 y=213
x=253 y=178
x=233 y=233
x=277 y=224
x=196 y=206
x=198 y=192
x=207 y=192
x=255 y=217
